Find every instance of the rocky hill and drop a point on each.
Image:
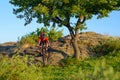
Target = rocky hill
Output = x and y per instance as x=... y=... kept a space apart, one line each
x=89 y=43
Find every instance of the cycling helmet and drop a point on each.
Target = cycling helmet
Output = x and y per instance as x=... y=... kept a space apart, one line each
x=43 y=35
x=43 y=32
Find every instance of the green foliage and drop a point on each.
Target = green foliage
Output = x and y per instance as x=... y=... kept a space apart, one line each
x=40 y=30
x=102 y=68
x=107 y=46
x=32 y=38
x=17 y=68
x=113 y=45
x=82 y=27
x=54 y=34
x=29 y=38
x=24 y=68
x=46 y=10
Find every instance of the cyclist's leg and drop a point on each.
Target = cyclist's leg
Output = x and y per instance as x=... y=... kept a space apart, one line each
x=46 y=45
x=40 y=47
x=44 y=54
x=46 y=51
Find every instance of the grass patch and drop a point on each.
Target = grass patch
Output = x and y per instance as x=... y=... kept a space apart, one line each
x=23 y=68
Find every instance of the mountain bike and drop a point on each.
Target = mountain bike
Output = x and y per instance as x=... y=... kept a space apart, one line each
x=44 y=53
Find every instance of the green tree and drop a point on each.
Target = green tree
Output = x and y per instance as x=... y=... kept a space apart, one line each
x=60 y=12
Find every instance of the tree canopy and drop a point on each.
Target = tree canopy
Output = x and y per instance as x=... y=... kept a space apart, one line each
x=60 y=11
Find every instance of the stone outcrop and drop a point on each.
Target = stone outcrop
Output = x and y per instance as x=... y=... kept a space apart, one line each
x=88 y=43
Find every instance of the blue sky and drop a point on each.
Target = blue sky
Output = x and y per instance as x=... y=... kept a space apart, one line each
x=11 y=27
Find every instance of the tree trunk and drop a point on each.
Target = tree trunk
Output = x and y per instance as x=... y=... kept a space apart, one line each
x=74 y=39
x=76 y=48
x=74 y=32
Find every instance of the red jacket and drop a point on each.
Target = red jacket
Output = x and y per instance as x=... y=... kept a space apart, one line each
x=43 y=39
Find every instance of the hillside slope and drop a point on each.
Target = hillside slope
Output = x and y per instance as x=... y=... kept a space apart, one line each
x=90 y=43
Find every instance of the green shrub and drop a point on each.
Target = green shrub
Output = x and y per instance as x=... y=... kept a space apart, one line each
x=40 y=30
x=19 y=68
x=29 y=38
x=24 y=68
x=113 y=45
x=107 y=46
x=32 y=38
x=55 y=34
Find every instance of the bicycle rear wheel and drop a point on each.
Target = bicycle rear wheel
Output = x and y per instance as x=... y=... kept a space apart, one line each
x=44 y=55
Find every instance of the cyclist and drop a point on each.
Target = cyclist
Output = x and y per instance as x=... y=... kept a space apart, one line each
x=43 y=39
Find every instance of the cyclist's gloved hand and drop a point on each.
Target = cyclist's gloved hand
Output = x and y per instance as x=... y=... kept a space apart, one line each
x=40 y=46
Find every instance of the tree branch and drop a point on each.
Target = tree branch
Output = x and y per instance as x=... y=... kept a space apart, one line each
x=70 y=30
x=84 y=18
x=81 y=20
x=57 y=20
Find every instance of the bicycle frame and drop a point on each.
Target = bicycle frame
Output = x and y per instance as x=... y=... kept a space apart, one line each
x=44 y=54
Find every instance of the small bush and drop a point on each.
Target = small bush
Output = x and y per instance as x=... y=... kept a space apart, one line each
x=113 y=45
x=55 y=34
x=32 y=38
x=19 y=68
x=29 y=38
x=107 y=46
